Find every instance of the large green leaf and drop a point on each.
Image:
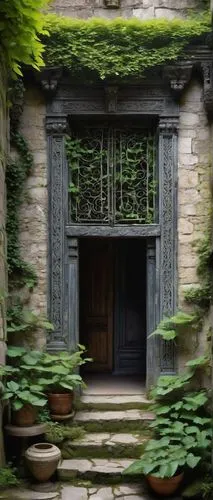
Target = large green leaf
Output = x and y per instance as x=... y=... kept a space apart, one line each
x=192 y=460
x=169 y=469
x=17 y=404
x=15 y=352
x=12 y=386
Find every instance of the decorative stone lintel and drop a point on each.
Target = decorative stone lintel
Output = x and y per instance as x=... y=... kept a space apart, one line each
x=207 y=70
x=49 y=79
x=178 y=75
x=168 y=124
x=56 y=124
x=111 y=98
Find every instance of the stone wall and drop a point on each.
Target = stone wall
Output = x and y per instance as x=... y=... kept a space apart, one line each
x=142 y=9
x=194 y=193
x=33 y=214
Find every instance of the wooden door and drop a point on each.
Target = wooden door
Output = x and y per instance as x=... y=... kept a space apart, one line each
x=130 y=307
x=96 y=302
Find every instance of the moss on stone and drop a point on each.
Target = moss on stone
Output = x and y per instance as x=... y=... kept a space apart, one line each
x=118 y=426
x=133 y=450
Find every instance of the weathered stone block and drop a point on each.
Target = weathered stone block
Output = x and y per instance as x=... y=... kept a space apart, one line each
x=144 y=13
x=184 y=226
x=168 y=13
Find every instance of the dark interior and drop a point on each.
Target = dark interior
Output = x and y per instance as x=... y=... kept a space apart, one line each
x=113 y=304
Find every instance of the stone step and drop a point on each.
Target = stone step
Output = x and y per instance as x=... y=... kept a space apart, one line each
x=97 y=470
x=114 y=421
x=113 y=402
x=105 y=445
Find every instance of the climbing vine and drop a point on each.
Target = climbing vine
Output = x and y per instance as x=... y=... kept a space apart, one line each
x=118 y=48
x=20 y=273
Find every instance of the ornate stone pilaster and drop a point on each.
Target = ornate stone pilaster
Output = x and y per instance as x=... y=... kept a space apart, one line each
x=56 y=127
x=73 y=291
x=207 y=69
x=152 y=353
x=168 y=220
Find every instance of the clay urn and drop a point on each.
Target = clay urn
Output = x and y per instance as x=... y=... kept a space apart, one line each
x=42 y=460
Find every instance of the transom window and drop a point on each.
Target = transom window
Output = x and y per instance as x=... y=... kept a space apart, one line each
x=112 y=175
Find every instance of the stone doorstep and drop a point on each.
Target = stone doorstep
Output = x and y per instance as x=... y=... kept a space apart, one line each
x=105 y=445
x=98 y=470
x=114 y=402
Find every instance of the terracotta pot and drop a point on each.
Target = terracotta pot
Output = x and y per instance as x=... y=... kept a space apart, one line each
x=165 y=486
x=60 y=404
x=42 y=460
x=26 y=416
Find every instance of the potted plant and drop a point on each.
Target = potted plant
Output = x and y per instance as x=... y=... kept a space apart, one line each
x=20 y=385
x=183 y=439
x=25 y=400
x=60 y=379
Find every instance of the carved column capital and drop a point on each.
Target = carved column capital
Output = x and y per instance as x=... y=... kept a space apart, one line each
x=168 y=124
x=49 y=79
x=111 y=97
x=207 y=70
x=178 y=75
x=56 y=125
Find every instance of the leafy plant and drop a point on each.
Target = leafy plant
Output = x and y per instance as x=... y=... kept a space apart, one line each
x=183 y=432
x=200 y=488
x=170 y=328
x=20 y=379
x=21 y=24
x=8 y=478
x=58 y=370
x=118 y=48
x=21 y=393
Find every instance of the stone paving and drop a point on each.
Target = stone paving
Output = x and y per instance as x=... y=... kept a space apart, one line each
x=95 y=492
x=96 y=469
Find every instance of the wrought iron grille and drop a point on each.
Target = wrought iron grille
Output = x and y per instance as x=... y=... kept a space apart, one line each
x=112 y=176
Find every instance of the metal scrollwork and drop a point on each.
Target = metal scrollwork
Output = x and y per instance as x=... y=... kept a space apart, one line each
x=112 y=176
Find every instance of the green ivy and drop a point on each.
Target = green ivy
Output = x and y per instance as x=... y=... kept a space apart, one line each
x=21 y=24
x=118 y=48
x=17 y=171
x=201 y=295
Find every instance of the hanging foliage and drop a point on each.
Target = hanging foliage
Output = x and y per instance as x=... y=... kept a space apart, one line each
x=21 y=23
x=118 y=48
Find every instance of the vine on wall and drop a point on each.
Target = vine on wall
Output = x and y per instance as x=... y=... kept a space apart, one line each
x=118 y=48
x=21 y=275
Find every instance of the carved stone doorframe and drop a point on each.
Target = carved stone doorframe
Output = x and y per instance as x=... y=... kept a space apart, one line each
x=162 y=237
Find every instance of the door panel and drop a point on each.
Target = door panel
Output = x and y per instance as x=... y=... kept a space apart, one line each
x=96 y=302
x=130 y=308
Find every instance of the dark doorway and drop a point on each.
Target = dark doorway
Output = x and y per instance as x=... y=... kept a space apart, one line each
x=113 y=304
